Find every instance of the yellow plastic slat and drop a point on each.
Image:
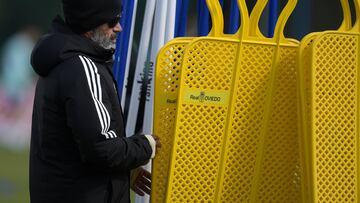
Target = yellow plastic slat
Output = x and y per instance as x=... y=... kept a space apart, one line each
x=202 y=112
x=166 y=90
x=244 y=138
x=318 y=165
x=334 y=133
x=280 y=175
x=200 y=123
x=207 y=104
x=167 y=81
x=272 y=118
x=248 y=101
x=334 y=118
x=304 y=91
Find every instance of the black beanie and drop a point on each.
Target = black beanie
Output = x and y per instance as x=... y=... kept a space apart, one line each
x=85 y=15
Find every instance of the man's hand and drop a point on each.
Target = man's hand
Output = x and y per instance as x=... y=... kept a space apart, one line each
x=157 y=140
x=154 y=142
x=141 y=181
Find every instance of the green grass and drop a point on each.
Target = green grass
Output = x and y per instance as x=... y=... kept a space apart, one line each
x=132 y=196
x=14 y=176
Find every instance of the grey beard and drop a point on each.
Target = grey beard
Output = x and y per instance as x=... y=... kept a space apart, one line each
x=102 y=40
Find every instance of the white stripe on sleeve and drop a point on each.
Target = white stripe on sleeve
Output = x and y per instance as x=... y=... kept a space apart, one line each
x=102 y=106
x=93 y=79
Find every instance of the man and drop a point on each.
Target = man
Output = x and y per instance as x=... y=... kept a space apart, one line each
x=79 y=151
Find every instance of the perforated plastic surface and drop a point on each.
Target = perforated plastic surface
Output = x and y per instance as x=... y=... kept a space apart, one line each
x=306 y=108
x=201 y=120
x=246 y=123
x=262 y=156
x=167 y=81
x=228 y=161
x=280 y=175
x=271 y=127
x=304 y=90
x=335 y=117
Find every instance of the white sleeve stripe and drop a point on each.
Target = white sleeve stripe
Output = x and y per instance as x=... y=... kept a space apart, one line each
x=103 y=108
x=113 y=133
x=87 y=73
x=106 y=112
x=95 y=95
x=105 y=116
x=92 y=76
x=101 y=103
x=96 y=83
x=92 y=94
x=99 y=110
x=98 y=79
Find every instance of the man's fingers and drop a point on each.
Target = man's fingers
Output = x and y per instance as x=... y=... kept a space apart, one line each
x=138 y=191
x=157 y=140
x=144 y=188
x=147 y=174
x=158 y=144
x=145 y=181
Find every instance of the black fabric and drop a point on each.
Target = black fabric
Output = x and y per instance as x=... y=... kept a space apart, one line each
x=61 y=44
x=85 y=15
x=72 y=156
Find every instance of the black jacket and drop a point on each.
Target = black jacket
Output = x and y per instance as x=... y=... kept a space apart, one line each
x=79 y=151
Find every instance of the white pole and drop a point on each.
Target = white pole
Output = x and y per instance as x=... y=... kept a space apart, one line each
x=170 y=20
x=126 y=75
x=140 y=64
x=158 y=40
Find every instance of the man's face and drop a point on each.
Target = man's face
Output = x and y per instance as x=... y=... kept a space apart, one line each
x=105 y=36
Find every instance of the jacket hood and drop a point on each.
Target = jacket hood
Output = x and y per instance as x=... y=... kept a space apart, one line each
x=61 y=44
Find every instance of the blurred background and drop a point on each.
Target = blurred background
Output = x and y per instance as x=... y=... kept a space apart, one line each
x=22 y=22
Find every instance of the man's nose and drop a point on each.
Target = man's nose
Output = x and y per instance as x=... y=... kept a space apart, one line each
x=118 y=28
